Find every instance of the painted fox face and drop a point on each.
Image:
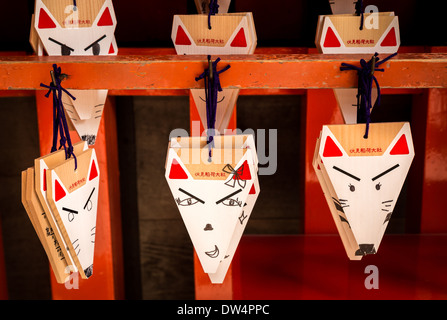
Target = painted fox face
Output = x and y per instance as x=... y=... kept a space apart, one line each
x=74 y=200
x=85 y=29
x=367 y=175
x=211 y=198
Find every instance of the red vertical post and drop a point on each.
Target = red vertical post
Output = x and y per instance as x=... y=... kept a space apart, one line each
x=204 y=289
x=321 y=109
x=3 y=283
x=107 y=280
x=433 y=217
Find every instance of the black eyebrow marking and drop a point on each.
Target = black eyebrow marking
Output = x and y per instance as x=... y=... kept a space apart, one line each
x=187 y=193
x=230 y=195
x=61 y=44
x=385 y=172
x=346 y=173
x=89 y=198
x=70 y=210
x=95 y=42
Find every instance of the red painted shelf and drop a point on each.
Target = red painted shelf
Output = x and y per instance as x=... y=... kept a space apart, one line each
x=293 y=267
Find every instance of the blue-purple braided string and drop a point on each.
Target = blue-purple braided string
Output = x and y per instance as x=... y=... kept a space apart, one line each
x=59 y=119
x=214 y=9
x=212 y=87
x=365 y=80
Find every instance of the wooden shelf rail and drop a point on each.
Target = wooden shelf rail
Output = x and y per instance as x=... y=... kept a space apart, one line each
x=258 y=71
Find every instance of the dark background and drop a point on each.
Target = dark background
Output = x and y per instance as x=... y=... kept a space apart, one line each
x=161 y=264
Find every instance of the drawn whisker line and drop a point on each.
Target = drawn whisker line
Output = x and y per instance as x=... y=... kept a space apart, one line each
x=385 y=210
x=387 y=201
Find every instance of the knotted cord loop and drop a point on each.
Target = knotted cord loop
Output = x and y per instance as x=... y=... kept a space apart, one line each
x=212 y=87
x=365 y=80
x=59 y=119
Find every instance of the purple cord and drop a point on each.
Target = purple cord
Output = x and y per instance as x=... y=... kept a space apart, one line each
x=59 y=119
x=365 y=80
x=212 y=86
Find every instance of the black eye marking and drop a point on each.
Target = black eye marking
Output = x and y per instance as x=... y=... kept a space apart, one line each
x=351 y=187
x=229 y=196
x=88 y=200
x=378 y=186
x=71 y=213
x=65 y=50
x=346 y=173
x=95 y=46
x=385 y=172
x=192 y=196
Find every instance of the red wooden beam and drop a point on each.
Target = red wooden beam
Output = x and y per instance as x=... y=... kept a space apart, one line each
x=433 y=213
x=258 y=71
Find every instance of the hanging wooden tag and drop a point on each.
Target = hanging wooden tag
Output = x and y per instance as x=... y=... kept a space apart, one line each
x=85 y=29
x=226 y=100
x=339 y=34
x=42 y=226
x=41 y=166
x=85 y=112
x=211 y=195
x=347 y=101
x=232 y=33
x=364 y=176
x=73 y=198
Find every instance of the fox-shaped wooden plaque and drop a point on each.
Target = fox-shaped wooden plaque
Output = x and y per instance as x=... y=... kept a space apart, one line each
x=83 y=27
x=363 y=178
x=41 y=166
x=341 y=33
x=214 y=198
x=231 y=33
x=73 y=198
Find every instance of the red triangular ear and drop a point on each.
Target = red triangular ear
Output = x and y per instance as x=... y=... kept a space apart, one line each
x=59 y=192
x=401 y=146
x=106 y=19
x=390 y=39
x=93 y=171
x=252 y=190
x=45 y=22
x=182 y=38
x=331 y=39
x=239 y=40
x=177 y=171
x=331 y=149
x=111 y=50
x=245 y=172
